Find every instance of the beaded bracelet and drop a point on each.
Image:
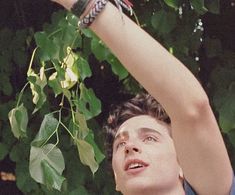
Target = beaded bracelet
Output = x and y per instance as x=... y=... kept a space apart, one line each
x=94 y=12
x=79 y=7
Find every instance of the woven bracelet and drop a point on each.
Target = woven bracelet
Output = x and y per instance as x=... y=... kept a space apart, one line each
x=79 y=7
x=94 y=12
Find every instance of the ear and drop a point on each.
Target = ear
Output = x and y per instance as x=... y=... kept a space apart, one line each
x=181 y=174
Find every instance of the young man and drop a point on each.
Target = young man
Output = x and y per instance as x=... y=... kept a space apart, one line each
x=144 y=151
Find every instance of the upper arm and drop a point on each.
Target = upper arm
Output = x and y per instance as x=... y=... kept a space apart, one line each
x=202 y=153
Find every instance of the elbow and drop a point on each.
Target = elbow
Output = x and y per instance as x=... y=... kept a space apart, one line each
x=199 y=109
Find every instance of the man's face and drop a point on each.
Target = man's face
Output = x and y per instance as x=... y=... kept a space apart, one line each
x=144 y=158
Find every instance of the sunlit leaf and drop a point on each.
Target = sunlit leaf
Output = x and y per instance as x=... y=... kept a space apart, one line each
x=54 y=158
x=18 y=118
x=37 y=84
x=71 y=70
x=87 y=155
x=48 y=127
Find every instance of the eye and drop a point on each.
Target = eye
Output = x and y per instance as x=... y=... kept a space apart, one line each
x=121 y=144
x=150 y=139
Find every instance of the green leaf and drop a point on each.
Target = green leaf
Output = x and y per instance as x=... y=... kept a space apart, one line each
x=3 y=150
x=54 y=83
x=48 y=127
x=5 y=85
x=37 y=84
x=19 y=152
x=172 y=3
x=227 y=113
x=83 y=67
x=24 y=181
x=49 y=49
x=18 y=118
x=87 y=155
x=71 y=70
x=231 y=135
x=213 y=6
x=99 y=49
x=164 y=22
x=20 y=57
x=88 y=103
x=117 y=67
x=80 y=190
x=99 y=156
x=199 y=6
x=51 y=177
x=53 y=156
x=80 y=121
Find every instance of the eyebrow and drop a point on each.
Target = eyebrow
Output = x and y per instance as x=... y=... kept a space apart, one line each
x=141 y=130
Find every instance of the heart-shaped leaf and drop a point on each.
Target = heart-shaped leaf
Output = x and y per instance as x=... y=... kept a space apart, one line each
x=87 y=155
x=48 y=127
x=47 y=160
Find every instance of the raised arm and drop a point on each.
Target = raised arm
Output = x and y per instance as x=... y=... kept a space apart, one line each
x=198 y=141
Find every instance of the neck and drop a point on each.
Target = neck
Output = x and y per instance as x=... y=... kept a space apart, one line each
x=176 y=190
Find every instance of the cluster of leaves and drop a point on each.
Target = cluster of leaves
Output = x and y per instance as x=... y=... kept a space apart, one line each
x=56 y=94
x=61 y=72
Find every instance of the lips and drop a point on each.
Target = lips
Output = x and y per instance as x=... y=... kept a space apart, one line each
x=134 y=164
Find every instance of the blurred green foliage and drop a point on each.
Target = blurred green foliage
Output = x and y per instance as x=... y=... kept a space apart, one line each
x=51 y=89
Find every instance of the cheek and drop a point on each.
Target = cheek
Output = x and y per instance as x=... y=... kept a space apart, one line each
x=116 y=163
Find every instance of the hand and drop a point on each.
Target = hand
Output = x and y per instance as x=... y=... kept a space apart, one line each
x=65 y=3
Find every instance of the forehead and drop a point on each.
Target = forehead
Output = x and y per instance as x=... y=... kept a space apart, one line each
x=142 y=122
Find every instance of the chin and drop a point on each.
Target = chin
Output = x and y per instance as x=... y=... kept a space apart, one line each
x=140 y=185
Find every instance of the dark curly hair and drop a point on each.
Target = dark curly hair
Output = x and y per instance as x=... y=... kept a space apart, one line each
x=141 y=104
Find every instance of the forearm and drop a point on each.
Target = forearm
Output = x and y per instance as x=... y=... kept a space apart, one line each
x=154 y=67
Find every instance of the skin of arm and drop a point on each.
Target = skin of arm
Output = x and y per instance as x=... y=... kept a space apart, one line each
x=198 y=141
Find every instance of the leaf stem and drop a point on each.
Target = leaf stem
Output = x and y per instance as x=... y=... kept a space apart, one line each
x=21 y=93
x=56 y=130
x=67 y=130
x=31 y=60
x=56 y=31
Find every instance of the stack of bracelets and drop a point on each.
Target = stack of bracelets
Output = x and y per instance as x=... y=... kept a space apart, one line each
x=94 y=8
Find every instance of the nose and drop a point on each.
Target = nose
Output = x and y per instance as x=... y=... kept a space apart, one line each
x=131 y=148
